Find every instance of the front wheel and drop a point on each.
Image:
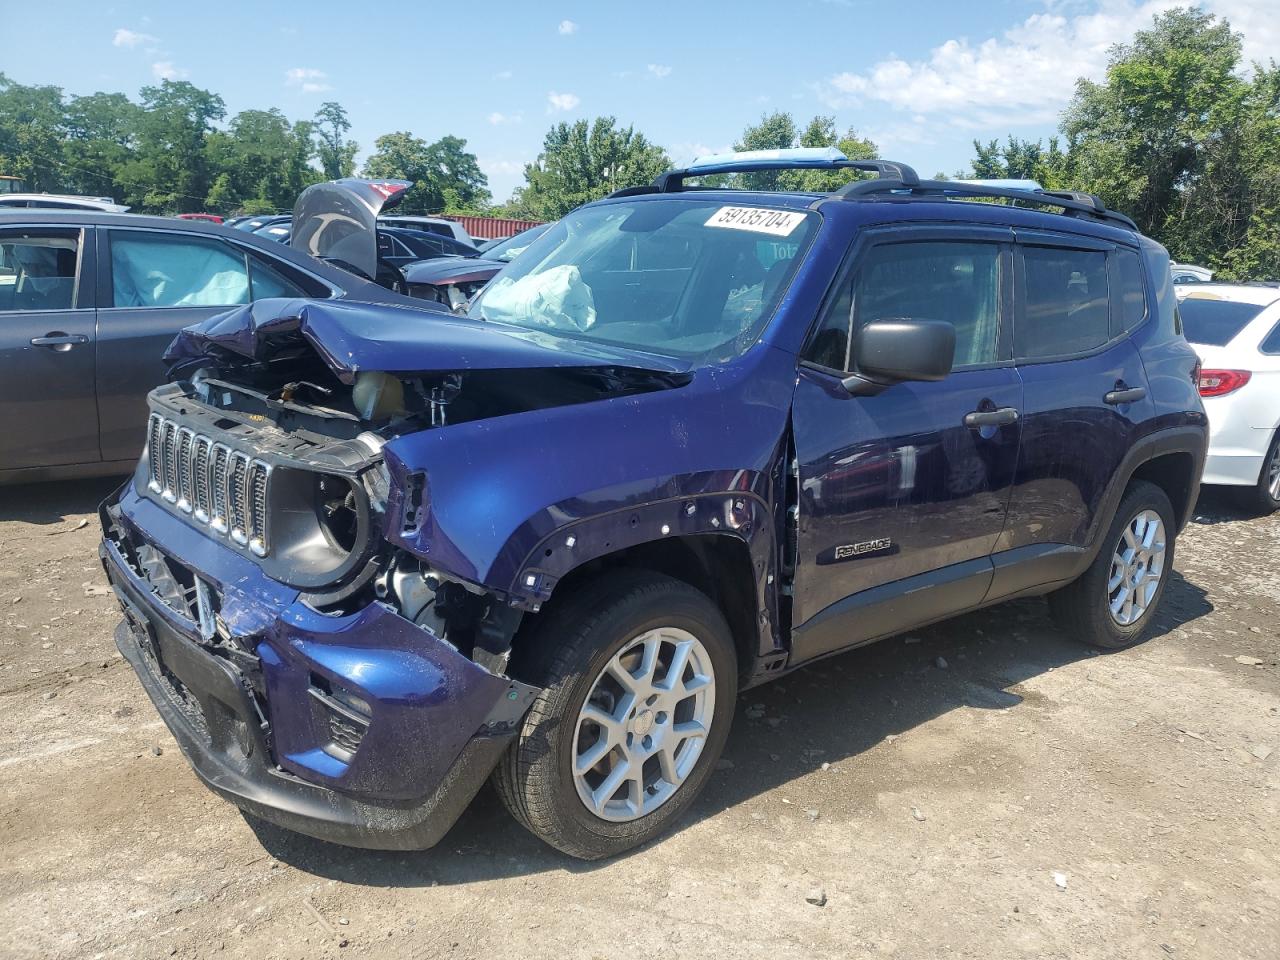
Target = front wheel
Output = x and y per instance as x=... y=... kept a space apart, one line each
x=1113 y=602
x=639 y=677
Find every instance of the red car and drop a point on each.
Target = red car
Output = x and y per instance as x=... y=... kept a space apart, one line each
x=209 y=217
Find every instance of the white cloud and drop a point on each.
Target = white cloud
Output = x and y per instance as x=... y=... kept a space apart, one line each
x=132 y=38
x=501 y=168
x=683 y=154
x=165 y=70
x=502 y=75
x=498 y=119
x=562 y=102
x=567 y=27
x=659 y=70
x=1028 y=73
x=307 y=79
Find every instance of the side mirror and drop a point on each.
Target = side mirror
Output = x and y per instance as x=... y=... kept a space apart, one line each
x=892 y=350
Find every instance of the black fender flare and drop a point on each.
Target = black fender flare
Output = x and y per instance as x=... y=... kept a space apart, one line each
x=743 y=515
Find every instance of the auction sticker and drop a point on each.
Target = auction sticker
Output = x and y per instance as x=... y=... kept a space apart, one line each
x=779 y=223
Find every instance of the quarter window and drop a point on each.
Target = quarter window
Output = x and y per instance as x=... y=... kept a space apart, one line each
x=932 y=280
x=169 y=270
x=1066 y=307
x=38 y=271
x=1133 y=297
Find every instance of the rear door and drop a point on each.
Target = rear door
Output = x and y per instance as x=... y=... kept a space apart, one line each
x=151 y=285
x=1085 y=395
x=902 y=496
x=47 y=340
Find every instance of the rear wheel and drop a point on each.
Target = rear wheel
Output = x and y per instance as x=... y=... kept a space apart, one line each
x=639 y=677
x=1113 y=602
x=1264 y=496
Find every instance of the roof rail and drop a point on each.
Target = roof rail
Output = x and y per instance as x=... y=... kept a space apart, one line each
x=754 y=161
x=1070 y=202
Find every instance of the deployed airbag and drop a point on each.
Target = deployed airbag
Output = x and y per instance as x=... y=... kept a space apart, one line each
x=556 y=298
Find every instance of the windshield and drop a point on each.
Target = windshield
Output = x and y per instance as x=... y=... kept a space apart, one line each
x=682 y=278
x=1215 y=323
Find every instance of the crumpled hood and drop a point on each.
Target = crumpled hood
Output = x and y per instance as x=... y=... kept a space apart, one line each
x=350 y=337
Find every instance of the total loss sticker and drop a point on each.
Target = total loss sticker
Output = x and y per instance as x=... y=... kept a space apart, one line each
x=779 y=223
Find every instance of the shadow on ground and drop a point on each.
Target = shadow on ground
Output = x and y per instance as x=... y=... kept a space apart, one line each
x=827 y=712
x=53 y=502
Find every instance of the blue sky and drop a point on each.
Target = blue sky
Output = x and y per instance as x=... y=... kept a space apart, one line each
x=922 y=79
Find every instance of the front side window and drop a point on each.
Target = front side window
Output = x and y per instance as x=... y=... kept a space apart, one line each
x=1065 y=294
x=38 y=270
x=683 y=278
x=169 y=270
x=955 y=281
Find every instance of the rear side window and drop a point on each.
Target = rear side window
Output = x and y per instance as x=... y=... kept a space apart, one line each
x=169 y=270
x=1272 y=342
x=267 y=281
x=1215 y=323
x=1132 y=297
x=38 y=270
x=1065 y=297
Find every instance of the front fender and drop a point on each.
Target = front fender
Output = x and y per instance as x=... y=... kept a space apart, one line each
x=490 y=494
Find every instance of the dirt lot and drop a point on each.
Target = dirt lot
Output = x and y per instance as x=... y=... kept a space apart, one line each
x=986 y=788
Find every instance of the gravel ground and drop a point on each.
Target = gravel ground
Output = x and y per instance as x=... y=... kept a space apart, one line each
x=984 y=788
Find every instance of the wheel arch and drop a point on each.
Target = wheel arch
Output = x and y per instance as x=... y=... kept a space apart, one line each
x=720 y=544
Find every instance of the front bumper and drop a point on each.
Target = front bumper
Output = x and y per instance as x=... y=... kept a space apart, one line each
x=254 y=707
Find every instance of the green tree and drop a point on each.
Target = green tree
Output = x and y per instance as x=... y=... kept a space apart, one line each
x=444 y=173
x=337 y=154
x=778 y=131
x=261 y=158
x=170 y=169
x=1022 y=160
x=1178 y=137
x=101 y=137
x=582 y=161
x=32 y=130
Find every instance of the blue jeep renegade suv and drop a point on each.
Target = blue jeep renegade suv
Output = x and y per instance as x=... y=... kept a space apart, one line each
x=691 y=439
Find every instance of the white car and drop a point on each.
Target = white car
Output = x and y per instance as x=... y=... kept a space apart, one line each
x=60 y=201
x=1235 y=329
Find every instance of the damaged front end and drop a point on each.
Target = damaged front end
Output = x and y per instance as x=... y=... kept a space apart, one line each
x=317 y=673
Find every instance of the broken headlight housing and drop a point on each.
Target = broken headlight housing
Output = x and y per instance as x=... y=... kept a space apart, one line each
x=322 y=527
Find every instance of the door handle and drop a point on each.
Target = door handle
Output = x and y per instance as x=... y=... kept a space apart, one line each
x=1125 y=395
x=59 y=340
x=1000 y=417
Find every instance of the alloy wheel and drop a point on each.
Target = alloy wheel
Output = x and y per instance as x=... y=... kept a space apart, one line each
x=1137 y=567
x=644 y=724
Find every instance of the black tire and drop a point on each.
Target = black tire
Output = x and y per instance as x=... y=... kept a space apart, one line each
x=1258 y=499
x=570 y=647
x=1082 y=608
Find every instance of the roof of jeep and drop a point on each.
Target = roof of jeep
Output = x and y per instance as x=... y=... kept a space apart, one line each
x=937 y=209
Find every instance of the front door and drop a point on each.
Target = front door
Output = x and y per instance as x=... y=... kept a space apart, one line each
x=47 y=343
x=903 y=495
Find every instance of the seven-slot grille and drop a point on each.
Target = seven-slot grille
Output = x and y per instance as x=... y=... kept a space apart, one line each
x=213 y=482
